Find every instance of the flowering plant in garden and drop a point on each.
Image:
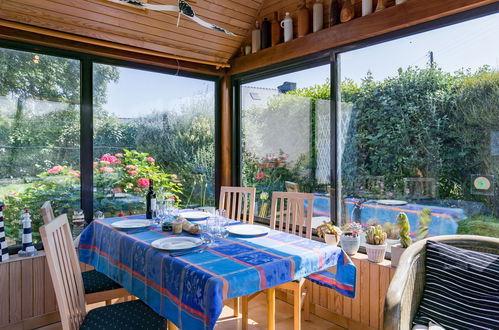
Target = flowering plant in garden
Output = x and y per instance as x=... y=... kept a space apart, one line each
x=352 y=229
x=267 y=173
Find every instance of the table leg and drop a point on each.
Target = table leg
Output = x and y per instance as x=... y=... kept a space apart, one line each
x=171 y=326
x=244 y=307
x=236 y=306
x=271 y=309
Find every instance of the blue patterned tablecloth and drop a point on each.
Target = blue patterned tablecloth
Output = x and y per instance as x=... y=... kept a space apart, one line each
x=189 y=290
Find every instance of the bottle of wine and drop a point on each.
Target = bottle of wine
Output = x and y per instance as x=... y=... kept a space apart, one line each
x=150 y=200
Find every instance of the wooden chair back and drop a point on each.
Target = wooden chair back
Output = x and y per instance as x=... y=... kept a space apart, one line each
x=291 y=186
x=65 y=272
x=288 y=211
x=47 y=212
x=238 y=203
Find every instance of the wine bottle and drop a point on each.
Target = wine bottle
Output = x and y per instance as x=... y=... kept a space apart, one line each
x=150 y=200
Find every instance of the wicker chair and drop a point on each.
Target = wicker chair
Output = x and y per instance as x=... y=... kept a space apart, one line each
x=406 y=288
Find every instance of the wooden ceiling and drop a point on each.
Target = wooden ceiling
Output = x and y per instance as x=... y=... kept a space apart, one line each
x=151 y=30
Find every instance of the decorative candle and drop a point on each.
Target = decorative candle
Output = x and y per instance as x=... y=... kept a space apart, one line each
x=318 y=14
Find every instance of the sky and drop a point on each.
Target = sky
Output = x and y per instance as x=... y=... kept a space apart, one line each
x=465 y=45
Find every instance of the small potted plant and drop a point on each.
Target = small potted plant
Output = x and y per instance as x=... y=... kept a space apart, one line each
x=405 y=240
x=350 y=238
x=375 y=243
x=329 y=232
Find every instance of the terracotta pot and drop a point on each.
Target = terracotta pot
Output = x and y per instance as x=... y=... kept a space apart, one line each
x=396 y=252
x=331 y=239
x=350 y=244
x=376 y=253
x=303 y=19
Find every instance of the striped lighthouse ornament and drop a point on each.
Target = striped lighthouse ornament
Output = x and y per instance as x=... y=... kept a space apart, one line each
x=3 y=244
x=28 y=249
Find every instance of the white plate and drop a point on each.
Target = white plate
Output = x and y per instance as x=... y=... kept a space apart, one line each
x=131 y=224
x=390 y=202
x=176 y=243
x=248 y=230
x=195 y=215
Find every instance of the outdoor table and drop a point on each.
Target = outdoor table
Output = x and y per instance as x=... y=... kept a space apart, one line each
x=189 y=290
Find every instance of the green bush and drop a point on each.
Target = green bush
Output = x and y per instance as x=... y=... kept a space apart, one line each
x=479 y=225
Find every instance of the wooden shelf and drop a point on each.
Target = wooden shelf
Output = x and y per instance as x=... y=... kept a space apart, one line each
x=408 y=14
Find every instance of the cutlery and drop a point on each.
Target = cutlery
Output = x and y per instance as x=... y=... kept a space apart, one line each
x=178 y=254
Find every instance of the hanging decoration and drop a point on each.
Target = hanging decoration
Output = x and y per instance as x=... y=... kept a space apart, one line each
x=182 y=8
x=4 y=254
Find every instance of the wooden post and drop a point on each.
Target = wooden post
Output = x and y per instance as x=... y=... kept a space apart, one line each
x=225 y=132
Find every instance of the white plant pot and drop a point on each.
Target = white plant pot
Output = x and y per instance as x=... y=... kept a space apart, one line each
x=398 y=2
x=331 y=239
x=396 y=252
x=376 y=253
x=350 y=244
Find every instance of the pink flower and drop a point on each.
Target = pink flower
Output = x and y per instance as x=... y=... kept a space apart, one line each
x=106 y=169
x=151 y=160
x=116 y=190
x=133 y=173
x=95 y=164
x=110 y=159
x=56 y=169
x=119 y=155
x=260 y=176
x=131 y=167
x=105 y=162
x=284 y=156
x=74 y=173
x=143 y=182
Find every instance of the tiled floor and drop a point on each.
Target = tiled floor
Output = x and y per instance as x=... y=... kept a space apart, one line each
x=258 y=317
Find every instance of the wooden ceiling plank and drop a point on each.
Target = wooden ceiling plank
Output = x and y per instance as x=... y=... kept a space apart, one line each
x=86 y=25
x=51 y=10
x=391 y=19
x=106 y=36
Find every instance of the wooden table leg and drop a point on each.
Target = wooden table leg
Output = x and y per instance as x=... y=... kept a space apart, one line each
x=271 y=309
x=244 y=307
x=236 y=306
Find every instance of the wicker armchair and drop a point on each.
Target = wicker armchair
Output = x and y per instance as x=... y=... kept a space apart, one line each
x=406 y=289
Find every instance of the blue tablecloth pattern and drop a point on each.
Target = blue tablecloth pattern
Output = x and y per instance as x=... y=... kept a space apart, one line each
x=189 y=290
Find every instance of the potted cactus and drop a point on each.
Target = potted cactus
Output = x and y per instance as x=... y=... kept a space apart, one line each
x=350 y=238
x=405 y=240
x=329 y=232
x=375 y=243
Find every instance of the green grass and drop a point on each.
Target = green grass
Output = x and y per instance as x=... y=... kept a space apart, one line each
x=479 y=225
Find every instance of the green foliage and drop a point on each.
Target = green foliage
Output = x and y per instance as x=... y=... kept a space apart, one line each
x=328 y=228
x=424 y=224
x=375 y=235
x=404 y=230
x=479 y=225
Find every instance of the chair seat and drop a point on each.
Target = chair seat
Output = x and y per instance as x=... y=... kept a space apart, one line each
x=131 y=315
x=93 y=282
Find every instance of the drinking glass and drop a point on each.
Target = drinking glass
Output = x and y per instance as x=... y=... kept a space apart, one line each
x=207 y=232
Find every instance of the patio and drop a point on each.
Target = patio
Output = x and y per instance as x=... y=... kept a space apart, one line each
x=313 y=167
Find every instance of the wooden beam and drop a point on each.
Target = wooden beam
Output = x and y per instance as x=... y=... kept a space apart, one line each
x=408 y=14
x=226 y=129
x=44 y=37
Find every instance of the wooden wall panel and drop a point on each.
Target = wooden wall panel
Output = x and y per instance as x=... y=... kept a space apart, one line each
x=27 y=295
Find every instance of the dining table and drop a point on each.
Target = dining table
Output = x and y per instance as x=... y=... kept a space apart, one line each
x=189 y=289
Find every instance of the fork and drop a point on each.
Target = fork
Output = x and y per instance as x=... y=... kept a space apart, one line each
x=178 y=254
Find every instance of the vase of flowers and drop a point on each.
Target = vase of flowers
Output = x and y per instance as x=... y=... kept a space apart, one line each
x=375 y=243
x=329 y=232
x=350 y=238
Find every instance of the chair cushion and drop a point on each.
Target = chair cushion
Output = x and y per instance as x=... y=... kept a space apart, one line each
x=461 y=289
x=131 y=315
x=93 y=282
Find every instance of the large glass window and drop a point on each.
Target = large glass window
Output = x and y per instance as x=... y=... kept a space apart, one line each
x=418 y=131
x=285 y=138
x=39 y=136
x=150 y=125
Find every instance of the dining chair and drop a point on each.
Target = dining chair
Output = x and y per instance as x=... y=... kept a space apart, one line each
x=288 y=214
x=68 y=286
x=238 y=203
x=98 y=287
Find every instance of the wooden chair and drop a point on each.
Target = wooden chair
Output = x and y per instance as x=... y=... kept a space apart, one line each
x=288 y=215
x=238 y=203
x=68 y=285
x=98 y=287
